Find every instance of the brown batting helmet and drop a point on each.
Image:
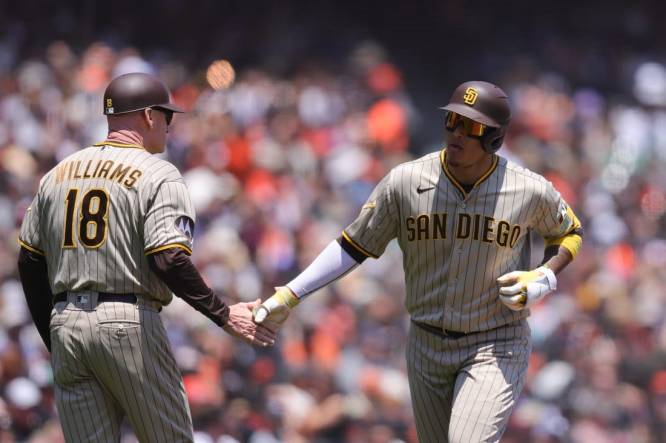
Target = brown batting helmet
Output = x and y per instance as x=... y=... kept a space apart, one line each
x=485 y=103
x=136 y=91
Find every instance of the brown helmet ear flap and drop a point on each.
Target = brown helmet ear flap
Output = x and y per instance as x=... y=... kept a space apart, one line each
x=493 y=139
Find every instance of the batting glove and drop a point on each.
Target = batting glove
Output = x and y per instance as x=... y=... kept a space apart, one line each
x=521 y=289
x=275 y=310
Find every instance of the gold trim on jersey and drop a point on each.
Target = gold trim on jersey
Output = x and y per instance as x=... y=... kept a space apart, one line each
x=29 y=248
x=442 y=159
x=169 y=246
x=358 y=247
x=119 y=145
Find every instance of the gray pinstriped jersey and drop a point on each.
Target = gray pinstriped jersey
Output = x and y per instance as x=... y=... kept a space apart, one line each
x=100 y=212
x=455 y=244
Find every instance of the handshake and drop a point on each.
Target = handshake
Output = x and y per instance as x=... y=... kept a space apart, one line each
x=274 y=311
x=258 y=323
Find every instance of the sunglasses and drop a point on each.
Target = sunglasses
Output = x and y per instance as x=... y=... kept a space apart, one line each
x=471 y=127
x=167 y=114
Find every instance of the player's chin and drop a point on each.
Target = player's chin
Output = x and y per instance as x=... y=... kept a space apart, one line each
x=454 y=154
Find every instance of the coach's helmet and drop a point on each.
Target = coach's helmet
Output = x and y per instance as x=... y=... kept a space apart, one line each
x=484 y=103
x=136 y=91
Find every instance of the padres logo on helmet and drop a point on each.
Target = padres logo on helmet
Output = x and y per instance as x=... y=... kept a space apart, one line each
x=470 y=96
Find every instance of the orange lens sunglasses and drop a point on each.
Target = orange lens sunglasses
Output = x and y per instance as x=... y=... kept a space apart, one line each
x=471 y=127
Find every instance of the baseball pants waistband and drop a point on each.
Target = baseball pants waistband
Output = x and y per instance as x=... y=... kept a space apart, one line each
x=93 y=298
x=444 y=333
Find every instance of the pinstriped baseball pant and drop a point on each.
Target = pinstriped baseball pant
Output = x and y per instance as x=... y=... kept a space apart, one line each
x=112 y=360
x=464 y=389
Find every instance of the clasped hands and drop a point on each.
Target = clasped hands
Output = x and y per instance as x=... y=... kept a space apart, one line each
x=522 y=289
x=258 y=323
x=241 y=324
x=275 y=310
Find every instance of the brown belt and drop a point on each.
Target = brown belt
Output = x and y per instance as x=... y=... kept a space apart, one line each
x=101 y=297
x=444 y=333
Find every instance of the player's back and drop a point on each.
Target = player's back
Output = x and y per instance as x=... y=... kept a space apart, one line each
x=94 y=211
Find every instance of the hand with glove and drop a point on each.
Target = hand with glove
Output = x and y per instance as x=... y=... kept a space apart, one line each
x=521 y=289
x=274 y=311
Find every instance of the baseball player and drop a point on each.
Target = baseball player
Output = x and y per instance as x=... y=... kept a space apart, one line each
x=462 y=217
x=104 y=244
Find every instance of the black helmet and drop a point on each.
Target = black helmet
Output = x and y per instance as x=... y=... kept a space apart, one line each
x=136 y=91
x=485 y=103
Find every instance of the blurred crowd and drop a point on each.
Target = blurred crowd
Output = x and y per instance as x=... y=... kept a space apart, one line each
x=277 y=166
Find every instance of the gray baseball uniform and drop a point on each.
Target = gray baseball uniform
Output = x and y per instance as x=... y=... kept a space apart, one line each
x=96 y=217
x=467 y=353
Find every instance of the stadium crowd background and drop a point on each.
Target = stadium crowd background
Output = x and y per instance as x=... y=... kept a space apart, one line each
x=279 y=162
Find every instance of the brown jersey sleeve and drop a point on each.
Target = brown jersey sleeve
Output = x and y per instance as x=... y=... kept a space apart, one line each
x=35 y=280
x=174 y=267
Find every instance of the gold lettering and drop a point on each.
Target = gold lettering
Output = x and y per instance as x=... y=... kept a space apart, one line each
x=502 y=233
x=422 y=225
x=133 y=177
x=515 y=235
x=477 y=222
x=464 y=221
x=85 y=171
x=76 y=170
x=119 y=173
x=60 y=173
x=94 y=174
x=439 y=226
x=488 y=229
x=106 y=167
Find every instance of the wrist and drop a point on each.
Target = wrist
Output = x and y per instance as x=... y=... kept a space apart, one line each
x=287 y=296
x=550 y=276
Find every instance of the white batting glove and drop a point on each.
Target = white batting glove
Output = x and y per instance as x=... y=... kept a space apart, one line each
x=521 y=289
x=275 y=310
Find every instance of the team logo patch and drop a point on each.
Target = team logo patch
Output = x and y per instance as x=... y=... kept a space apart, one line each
x=563 y=217
x=185 y=226
x=109 y=106
x=470 y=96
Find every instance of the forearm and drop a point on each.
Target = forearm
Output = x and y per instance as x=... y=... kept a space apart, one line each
x=37 y=290
x=175 y=269
x=556 y=258
x=331 y=264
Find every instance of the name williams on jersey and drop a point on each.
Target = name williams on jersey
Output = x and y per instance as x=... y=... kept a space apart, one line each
x=97 y=168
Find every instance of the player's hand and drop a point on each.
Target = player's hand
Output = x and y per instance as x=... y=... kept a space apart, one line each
x=275 y=310
x=521 y=289
x=241 y=325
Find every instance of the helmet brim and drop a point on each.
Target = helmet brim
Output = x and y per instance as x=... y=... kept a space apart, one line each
x=167 y=107
x=170 y=107
x=471 y=113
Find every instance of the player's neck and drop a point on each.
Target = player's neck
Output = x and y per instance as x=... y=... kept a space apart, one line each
x=125 y=136
x=470 y=174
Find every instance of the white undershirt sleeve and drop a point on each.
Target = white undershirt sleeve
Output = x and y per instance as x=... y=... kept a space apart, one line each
x=331 y=264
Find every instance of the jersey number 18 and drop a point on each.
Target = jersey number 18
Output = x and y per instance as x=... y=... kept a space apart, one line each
x=93 y=215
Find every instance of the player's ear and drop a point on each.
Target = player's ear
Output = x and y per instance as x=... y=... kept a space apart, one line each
x=148 y=118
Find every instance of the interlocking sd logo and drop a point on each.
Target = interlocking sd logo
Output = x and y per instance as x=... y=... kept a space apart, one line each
x=470 y=96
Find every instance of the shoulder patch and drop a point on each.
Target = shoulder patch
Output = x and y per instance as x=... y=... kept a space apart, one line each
x=185 y=226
